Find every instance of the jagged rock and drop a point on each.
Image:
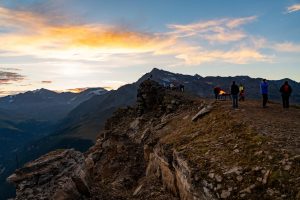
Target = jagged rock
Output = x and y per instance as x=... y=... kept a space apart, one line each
x=266 y=176
x=59 y=174
x=248 y=189
x=202 y=112
x=298 y=195
x=137 y=190
x=236 y=170
x=287 y=167
x=242 y=195
x=150 y=94
x=134 y=124
x=257 y=168
x=218 y=178
x=236 y=151
x=270 y=192
x=225 y=194
x=211 y=175
x=239 y=178
x=259 y=179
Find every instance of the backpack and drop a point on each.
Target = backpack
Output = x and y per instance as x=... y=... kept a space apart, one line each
x=286 y=89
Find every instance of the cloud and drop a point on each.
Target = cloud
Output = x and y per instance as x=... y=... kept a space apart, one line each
x=77 y=90
x=220 y=30
x=112 y=84
x=10 y=69
x=80 y=42
x=236 y=56
x=287 y=47
x=9 y=77
x=225 y=37
x=293 y=8
x=234 y=23
x=46 y=82
x=107 y=84
x=34 y=35
x=17 y=19
x=6 y=93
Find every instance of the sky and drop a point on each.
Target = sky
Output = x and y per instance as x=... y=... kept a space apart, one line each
x=68 y=44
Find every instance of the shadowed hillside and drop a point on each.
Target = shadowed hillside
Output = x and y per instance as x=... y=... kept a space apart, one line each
x=174 y=146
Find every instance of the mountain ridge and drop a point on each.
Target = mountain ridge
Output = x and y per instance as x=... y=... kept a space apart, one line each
x=79 y=129
x=171 y=145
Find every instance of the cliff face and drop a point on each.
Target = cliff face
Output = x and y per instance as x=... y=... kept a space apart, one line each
x=173 y=146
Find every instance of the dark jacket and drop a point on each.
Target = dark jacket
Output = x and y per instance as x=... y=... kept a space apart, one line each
x=286 y=89
x=234 y=89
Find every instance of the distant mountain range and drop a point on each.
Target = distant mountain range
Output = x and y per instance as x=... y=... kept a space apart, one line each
x=39 y=103
x=69 y=120
x=85 y=121
x=203 y=86
x=29 y=116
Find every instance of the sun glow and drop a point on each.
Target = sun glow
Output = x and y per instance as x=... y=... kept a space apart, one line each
x=71 y=70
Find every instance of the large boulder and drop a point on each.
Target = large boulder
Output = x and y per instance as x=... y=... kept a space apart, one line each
x=150 y=94
x=59 y=174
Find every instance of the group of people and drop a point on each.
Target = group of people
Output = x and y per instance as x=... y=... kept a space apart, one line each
x=174 y=86
x=285 y=91
x=238 y=91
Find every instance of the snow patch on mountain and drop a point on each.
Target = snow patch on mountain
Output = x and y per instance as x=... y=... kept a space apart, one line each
x=97 y=92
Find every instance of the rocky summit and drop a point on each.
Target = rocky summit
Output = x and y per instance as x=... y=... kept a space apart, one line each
x=174 y=146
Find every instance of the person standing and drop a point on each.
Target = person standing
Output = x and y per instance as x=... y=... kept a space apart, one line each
x=234 y=94
x=181 y=87
x=286 y=91
x=242 y=93
x=216 y=92
x=264 y=91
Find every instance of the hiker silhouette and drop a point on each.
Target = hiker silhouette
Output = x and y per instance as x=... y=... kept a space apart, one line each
x=234 y=93
x=286 y=91
x=264 y=86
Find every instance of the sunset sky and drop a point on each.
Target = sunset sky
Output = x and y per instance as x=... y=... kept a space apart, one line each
x=64 y=44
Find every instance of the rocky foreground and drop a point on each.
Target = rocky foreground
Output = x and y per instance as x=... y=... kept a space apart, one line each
x=173 y=146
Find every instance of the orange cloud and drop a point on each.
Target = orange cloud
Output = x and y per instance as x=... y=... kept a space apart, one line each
x=77 y=90
x=220 y=30
x=98 y=42
x=17 y=19
x=8 y=92
x=100 y=36
x=233 y=23
x=225 y=37
x=287 y=47
x=293 y=8
x=87 y=42
x=46 y=82
x=238 y=56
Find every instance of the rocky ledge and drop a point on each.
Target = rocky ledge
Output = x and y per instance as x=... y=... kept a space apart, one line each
x=60 y=174
x=173 y=146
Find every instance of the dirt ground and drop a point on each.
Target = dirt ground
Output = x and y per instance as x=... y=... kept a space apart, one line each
x=283 y=125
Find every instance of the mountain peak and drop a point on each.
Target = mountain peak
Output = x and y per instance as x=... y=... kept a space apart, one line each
x=157 y=71
x=42 y=91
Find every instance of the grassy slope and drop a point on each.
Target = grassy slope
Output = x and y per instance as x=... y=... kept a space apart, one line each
x=252 y=139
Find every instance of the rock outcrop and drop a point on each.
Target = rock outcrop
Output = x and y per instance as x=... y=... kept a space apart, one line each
x=170 y=146
x=60 y=174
